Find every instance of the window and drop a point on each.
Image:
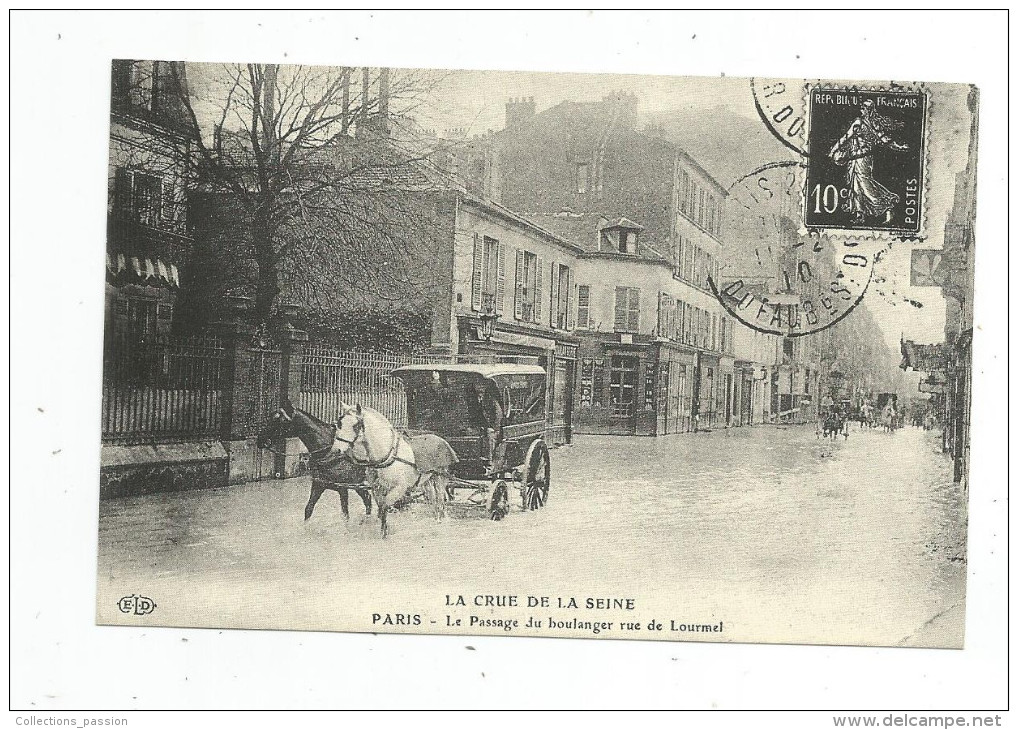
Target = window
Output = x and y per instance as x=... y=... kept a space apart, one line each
x=701 y=202
x=528 y=286
x=144 y=198
x=687 y=263
x=141 y=319
x=562 y=283
x=583 y=307
x=622 y=387
x=488 y=290
x=627 y=309
x=680 y=246
x=141 y=80
x=627 y=241
x=582 y=170
x=680 y=320
x=684 y=192
x=697 y=266
x=665 y=315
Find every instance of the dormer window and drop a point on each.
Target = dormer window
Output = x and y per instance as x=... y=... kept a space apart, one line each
x=622 y=236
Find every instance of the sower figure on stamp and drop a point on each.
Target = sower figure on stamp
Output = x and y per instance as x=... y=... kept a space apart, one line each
x=866 y=196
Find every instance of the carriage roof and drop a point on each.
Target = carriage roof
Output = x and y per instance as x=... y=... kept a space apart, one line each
x=487 y=370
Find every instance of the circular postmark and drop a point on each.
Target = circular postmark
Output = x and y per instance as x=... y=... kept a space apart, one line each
x=779 y=102
x=777 y=277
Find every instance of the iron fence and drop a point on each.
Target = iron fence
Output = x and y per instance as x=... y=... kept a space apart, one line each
x=161 y=387
x=330 y=377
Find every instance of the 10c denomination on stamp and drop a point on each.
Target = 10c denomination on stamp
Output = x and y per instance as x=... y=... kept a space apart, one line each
x=865 y=161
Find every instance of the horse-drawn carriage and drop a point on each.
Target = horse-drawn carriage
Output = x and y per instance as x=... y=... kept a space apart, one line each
x=832 y=420
x=493 y=417
x=474 y=430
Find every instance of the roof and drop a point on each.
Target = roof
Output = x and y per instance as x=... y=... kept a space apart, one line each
x=624 y=222
x=485 y=371
x=584 y=229
x=494 y=208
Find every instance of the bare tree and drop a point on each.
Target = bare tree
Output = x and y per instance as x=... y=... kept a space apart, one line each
x=317 y=179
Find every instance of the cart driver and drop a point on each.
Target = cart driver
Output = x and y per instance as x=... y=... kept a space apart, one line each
x=488 y=415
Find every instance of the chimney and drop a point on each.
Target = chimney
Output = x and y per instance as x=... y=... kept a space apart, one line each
x=518 y=111
x=625 y=104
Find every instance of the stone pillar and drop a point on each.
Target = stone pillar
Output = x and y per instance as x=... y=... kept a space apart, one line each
x=288 y=459
x=237 y=334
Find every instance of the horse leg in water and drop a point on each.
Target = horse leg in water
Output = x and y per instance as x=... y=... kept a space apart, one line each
x=344 y=501
x=383 y=507
x=316 y=494
x=434 y=487
x=365 y=496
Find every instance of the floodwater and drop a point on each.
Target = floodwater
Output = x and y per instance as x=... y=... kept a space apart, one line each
x=783 y=537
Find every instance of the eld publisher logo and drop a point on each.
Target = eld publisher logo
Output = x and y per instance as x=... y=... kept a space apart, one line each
x=138 y=605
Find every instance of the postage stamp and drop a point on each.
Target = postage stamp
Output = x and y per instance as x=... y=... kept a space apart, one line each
x=865 y=169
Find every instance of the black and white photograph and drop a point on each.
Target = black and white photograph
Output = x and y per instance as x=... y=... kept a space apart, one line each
x=602 y=320
x=530 y=352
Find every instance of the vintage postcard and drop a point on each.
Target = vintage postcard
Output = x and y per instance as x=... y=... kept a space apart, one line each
x=494 y=353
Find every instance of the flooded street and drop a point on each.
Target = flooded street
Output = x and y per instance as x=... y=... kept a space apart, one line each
x=767 y=528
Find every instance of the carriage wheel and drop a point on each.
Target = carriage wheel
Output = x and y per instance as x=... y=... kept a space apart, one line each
x=538 y=477
x=498 y=507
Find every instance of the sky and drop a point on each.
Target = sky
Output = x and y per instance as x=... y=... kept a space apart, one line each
x=475 y=100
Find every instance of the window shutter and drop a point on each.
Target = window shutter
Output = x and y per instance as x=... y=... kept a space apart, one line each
x=538 y=290
x=634 y=310
x=478 y=280
x=660 y=313
x=552 y=301
x=583 y=307
x=620 y=308
x=168 y=207
x=500 y=279
x=122 y=193
x=519 y=285
x=569 y=299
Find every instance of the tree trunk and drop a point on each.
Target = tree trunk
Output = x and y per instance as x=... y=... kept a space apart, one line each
x=268 y=274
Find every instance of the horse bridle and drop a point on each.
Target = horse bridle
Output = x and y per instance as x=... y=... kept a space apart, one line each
x=314 y=455
x=389 y=459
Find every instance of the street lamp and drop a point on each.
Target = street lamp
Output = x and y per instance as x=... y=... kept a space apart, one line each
x=488 y=320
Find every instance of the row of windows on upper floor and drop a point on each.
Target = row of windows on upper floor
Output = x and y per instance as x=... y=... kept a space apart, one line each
x=674 y=319
x=696 y=202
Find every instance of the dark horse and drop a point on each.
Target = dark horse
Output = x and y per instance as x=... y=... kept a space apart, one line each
x=329 y=468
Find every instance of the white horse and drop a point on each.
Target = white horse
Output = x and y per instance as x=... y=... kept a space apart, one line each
x=395 y=464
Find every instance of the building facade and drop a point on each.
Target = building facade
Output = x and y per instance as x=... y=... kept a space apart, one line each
x=147 y=232
x=658 y=352
x=511 y=294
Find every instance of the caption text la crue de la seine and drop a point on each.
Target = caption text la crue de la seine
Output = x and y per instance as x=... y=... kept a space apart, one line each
x=486 y=604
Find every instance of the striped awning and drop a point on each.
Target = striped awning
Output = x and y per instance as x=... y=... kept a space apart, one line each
x=153 y=272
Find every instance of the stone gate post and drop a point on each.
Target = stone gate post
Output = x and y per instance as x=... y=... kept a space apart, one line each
x=294 y=342
x=238 y=392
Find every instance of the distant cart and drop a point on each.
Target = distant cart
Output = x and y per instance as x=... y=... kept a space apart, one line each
x=493 y=416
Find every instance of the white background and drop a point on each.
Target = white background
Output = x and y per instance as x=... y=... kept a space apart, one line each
x=59 y=136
